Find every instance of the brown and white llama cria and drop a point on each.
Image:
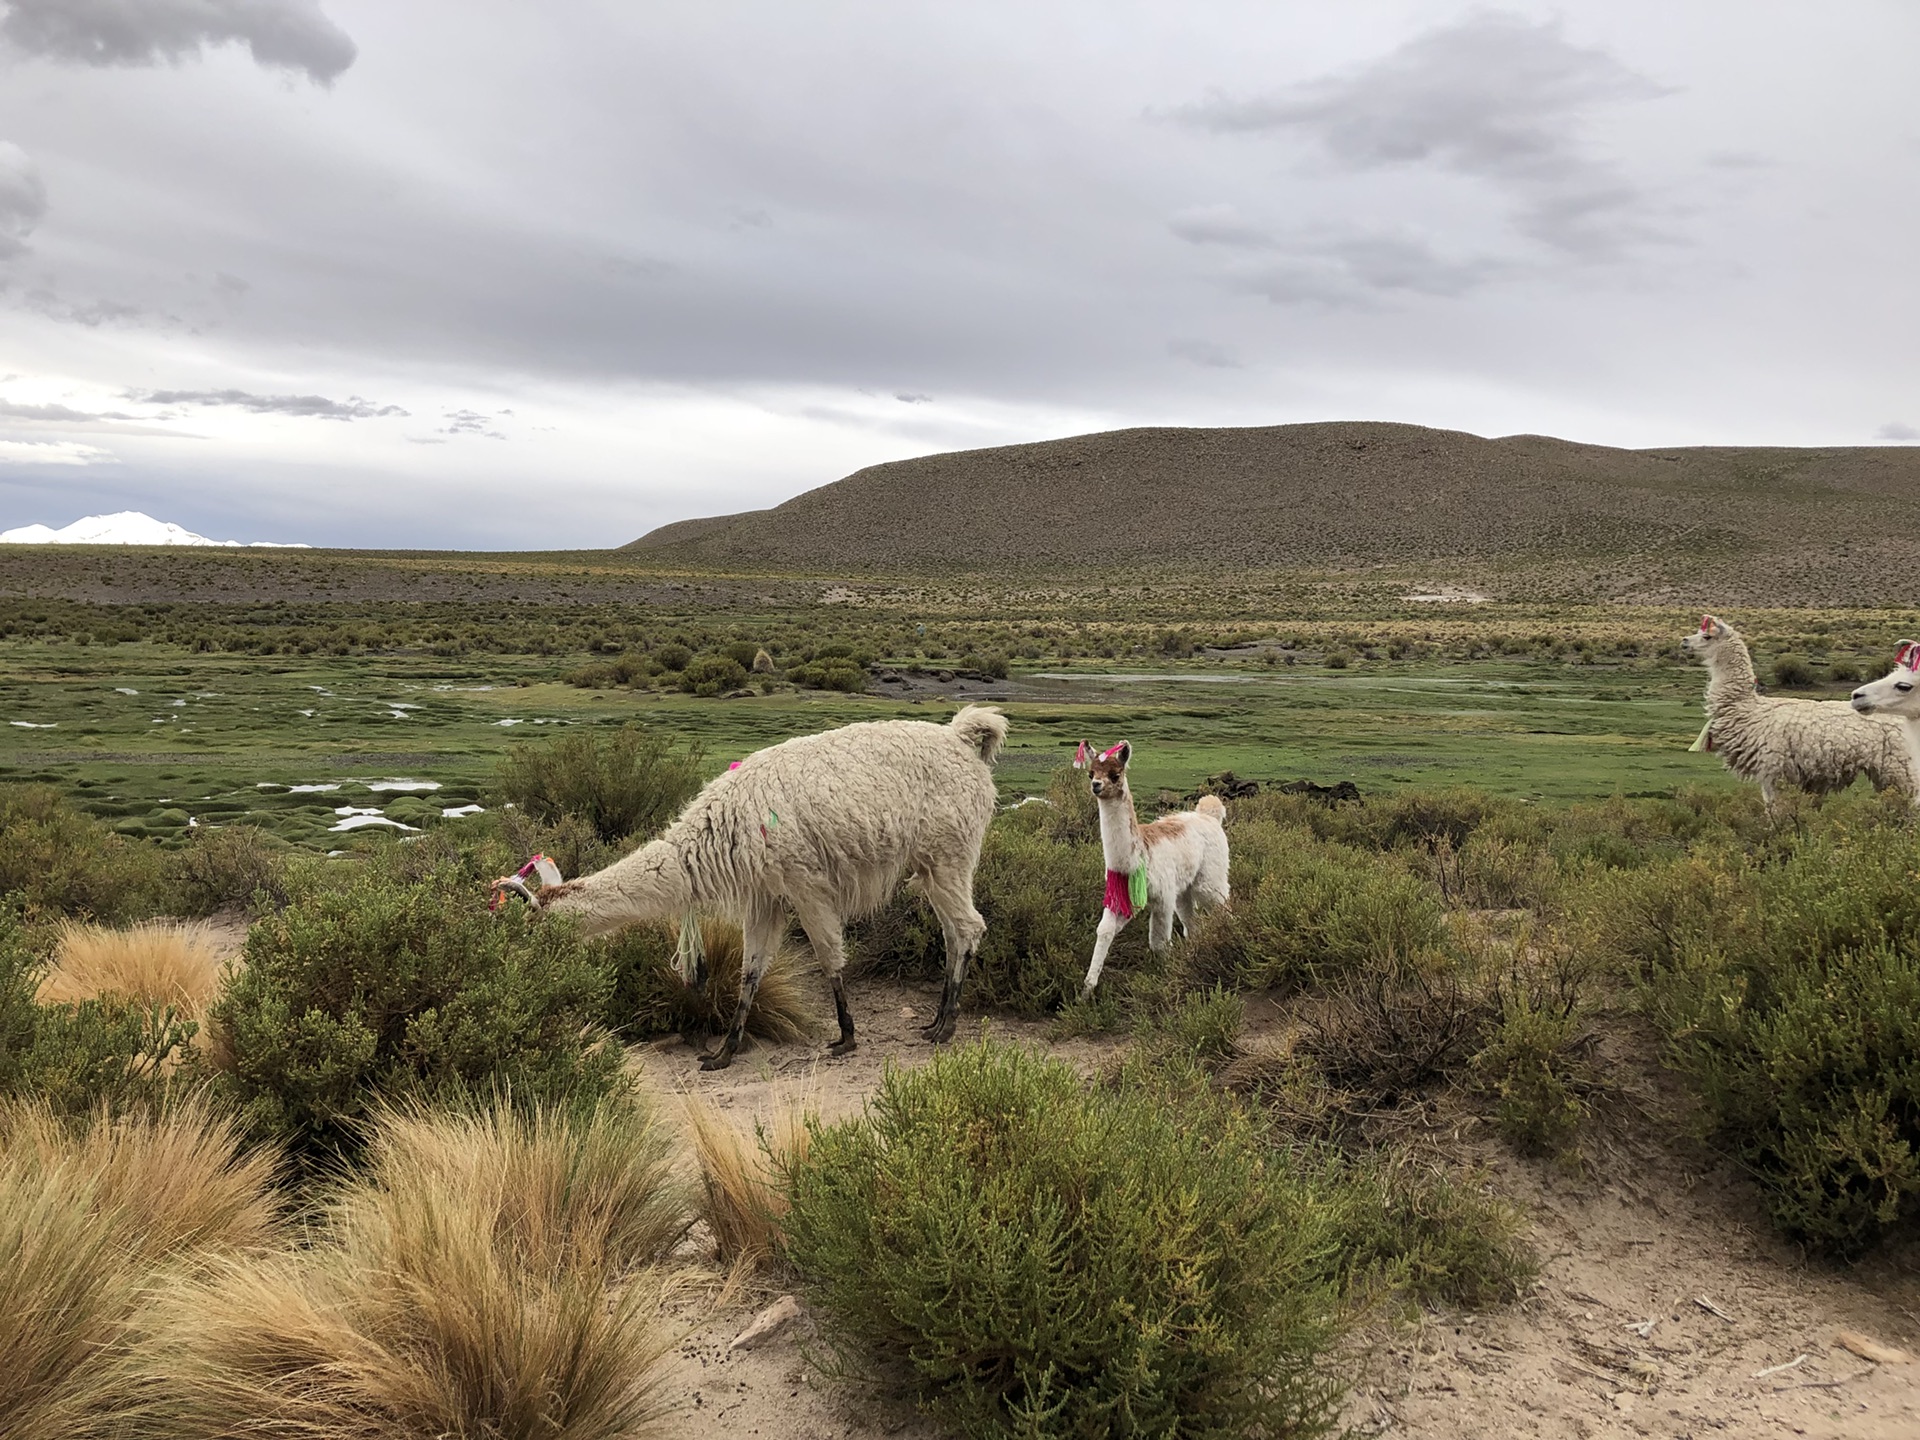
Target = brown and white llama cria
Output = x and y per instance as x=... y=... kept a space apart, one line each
x=825 y=824
x=1171 y=867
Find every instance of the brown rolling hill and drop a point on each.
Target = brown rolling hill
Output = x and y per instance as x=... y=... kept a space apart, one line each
x=1808 y=526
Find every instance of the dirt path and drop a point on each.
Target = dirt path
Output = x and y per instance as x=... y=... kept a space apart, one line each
x=1643 y=1238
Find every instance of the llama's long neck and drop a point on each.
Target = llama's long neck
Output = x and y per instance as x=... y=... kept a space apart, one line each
x=1120 y=838
x=650 y=884
x=1730 y=678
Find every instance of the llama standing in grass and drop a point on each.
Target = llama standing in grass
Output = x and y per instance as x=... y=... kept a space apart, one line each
x=1894 y=696
x=826 y=824
x=1818 y=745
x=1169 y=867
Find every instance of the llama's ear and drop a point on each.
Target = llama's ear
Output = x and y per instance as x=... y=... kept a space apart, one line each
x=1908 y=654
x=1709 y=626
x=1122 y=752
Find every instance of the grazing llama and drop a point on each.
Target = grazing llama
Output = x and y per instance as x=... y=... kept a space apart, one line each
x=1818 y=745
x=827 y=825
x=1893 y=695
x=1167 y=868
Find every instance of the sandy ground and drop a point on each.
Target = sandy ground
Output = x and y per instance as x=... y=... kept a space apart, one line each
x=1632 y=1245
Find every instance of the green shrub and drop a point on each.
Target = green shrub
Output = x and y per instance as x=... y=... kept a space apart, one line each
x=227 y=866
x=1793 y=672
x=1533 y=1062
x=834 y=673
x=1797 y=1016
x=1049 y=1261
x=56 y=861
x=1430 y=1236
x=1319 y=911
x=673 y=657
x=76 y=1059
x=711 y=675
x=367 y=989
x=1041 y=902
x=622 y=783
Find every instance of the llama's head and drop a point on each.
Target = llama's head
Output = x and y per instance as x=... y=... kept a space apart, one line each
x=1108 y=772
x=1712 y=639
x=1894 y=693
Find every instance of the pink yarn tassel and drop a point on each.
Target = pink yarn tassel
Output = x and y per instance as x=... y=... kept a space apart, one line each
x=1118 y=901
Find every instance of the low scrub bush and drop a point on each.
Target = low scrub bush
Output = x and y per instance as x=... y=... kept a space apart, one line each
x=1052 y=1261
x=1796 y=1013
x=1429 y=1236
x=230 y=867
x=110 y=1054
x=649 y=998
x=1318 y=912
x=55 y=861
x=369 y=989
x=1040 y=900
x=622 y=783
x=710 y=675
x=1533 y=1062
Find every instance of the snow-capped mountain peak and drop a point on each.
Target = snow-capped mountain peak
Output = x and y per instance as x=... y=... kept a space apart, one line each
x=127 y=527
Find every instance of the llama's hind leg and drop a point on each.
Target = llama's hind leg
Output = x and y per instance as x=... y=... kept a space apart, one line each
x=761 y=932
x=825 y=933
x=1183 y=911
x=951 y=895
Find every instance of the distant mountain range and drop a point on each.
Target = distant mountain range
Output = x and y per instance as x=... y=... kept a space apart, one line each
x=127 y=527
x=1526 y=514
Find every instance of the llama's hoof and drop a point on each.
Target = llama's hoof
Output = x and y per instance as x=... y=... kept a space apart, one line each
x=719 y=1060
x=843 y=1046
x=940 y=1031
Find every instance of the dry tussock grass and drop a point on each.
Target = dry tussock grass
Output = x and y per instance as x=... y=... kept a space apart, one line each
x=461 y=1290
x=157 y=962
x=87 y=1218
x=743 y=1198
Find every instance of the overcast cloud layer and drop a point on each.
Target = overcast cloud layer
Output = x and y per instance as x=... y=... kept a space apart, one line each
x=490 y=274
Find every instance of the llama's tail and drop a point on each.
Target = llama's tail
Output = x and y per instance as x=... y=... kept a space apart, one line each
x=982 y=727
x=1211 y=805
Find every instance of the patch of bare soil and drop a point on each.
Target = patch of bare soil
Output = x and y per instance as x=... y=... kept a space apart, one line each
x=1665 y=1306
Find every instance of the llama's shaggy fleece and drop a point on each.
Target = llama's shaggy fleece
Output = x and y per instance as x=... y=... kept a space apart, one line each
x=1183 y=858
x=1817 y=745
x=827 y=824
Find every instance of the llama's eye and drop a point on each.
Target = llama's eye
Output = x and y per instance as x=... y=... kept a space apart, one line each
x=1903 y=685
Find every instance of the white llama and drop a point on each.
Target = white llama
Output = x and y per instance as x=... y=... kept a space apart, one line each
x=1818 y=745
x=1169 y=867
x=1894 y=695
x=827 y=825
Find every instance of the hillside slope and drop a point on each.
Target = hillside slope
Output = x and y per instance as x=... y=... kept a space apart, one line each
x=1808 y=524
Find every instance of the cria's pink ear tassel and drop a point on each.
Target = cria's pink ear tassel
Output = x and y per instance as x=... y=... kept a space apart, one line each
x=1080 y=757
x=1113 y=750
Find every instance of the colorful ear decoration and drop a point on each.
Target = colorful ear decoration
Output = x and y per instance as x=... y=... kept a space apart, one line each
x=1080 y=757
x=1113 y=750
x=516 y=883
x=1908 y=655
x=1706 y=624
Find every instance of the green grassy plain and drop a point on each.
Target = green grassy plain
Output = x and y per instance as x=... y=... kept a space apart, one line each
x=157 y=693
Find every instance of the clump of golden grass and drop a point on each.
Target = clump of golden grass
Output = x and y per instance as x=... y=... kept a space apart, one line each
x=743 y=1181
x=459 y=1291
x=594 y=1192
x=157 y=962
x=86 y=1217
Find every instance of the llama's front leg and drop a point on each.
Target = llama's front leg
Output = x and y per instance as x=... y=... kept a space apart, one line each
x=1768 y=794
x=760 y=936
x=1110 y=926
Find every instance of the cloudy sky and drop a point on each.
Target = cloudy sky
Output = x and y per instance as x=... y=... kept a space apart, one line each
x=490 y=274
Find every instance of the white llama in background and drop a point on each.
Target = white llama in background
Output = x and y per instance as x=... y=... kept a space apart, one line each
x=1170 y=868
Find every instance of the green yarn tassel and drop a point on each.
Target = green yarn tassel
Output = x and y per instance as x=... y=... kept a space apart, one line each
x=690 y=955
x=1137 y=886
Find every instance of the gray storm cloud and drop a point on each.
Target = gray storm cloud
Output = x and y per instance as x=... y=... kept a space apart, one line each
x=23 y=199
x=312 y=407
x=1494 y=96
x=285 y=34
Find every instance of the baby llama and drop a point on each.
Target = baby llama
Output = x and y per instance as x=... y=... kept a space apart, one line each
x=1893 y=695
x=1168 y=868
x=1818 y=745
x=825 y=825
